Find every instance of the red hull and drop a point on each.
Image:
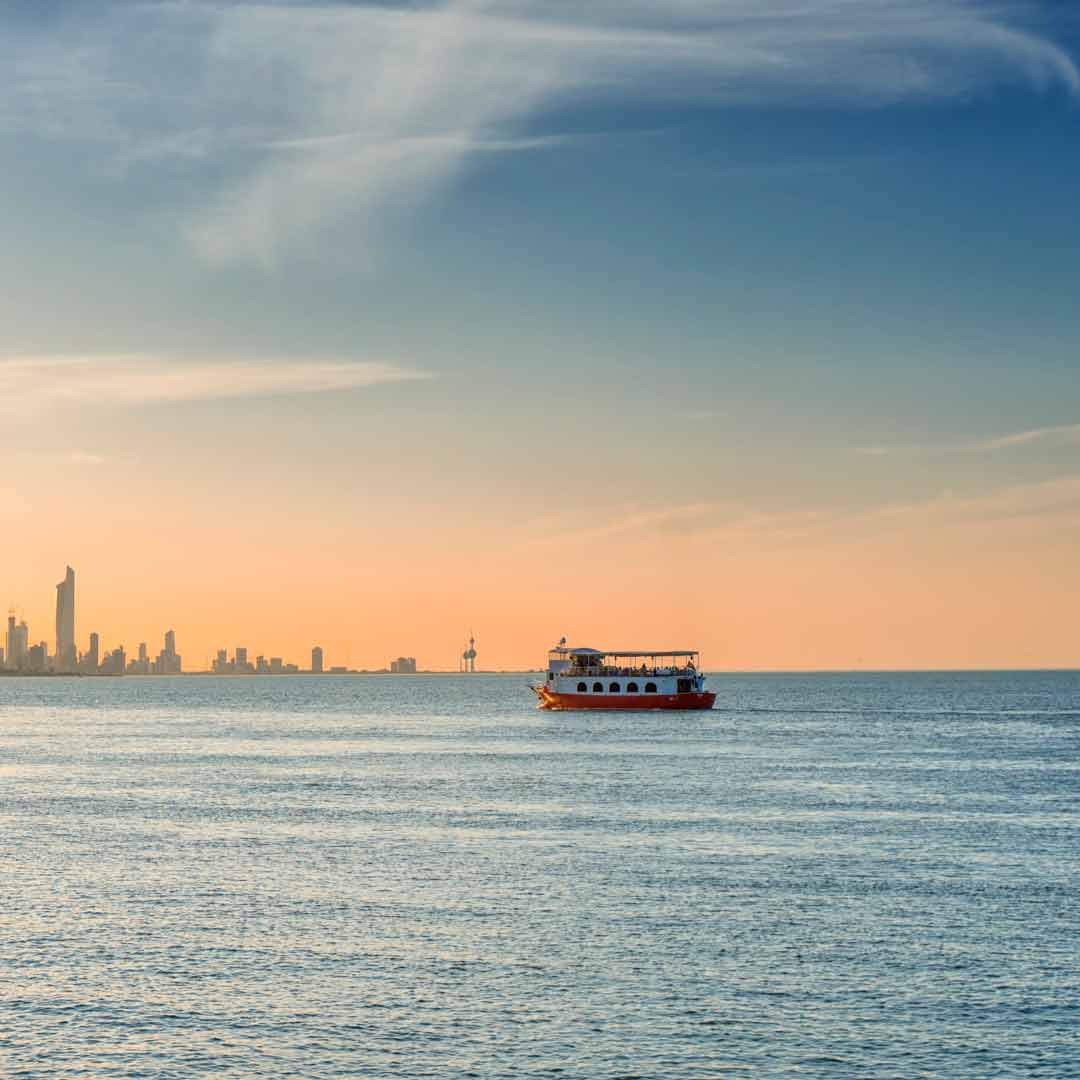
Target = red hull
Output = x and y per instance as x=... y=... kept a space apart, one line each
x=549 y=699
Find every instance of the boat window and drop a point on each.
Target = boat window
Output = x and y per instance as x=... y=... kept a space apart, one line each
x=597 y=688
x=613 y=688
x=581 y=688
x=650 y=688
x=685 y=686
x=631 y=687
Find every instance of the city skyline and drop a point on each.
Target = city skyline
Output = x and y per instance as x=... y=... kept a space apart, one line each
x=18 y=653
x=18 y=656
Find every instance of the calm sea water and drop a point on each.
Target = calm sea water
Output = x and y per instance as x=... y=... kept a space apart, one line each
x=827 y=876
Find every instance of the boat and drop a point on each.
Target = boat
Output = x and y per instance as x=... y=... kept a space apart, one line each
x=623 y=679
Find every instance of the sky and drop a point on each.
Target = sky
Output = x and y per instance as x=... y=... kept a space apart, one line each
x=741 y=325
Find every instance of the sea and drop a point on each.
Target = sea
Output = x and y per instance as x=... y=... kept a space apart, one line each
x=864 y=876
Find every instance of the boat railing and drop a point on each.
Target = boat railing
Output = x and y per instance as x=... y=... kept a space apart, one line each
x=631 y=672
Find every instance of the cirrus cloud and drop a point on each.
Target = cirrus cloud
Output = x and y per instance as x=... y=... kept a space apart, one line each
x=1058 y=434
x=30 y=384
x=303 y=113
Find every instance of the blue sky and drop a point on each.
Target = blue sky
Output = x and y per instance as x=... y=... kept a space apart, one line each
x=818 y=254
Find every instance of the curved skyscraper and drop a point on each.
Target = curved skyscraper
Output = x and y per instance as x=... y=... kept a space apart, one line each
x=65 y=622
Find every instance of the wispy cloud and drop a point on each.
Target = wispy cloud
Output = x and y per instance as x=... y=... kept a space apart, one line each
x=303 y=113
x=635 y=521
x=1044 y=498
x=692 y=522
x=30 y=384
x=742 y=525
x=83 y=457
x=1056 y=433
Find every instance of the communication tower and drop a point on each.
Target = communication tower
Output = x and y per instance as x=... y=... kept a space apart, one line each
x=468 y=657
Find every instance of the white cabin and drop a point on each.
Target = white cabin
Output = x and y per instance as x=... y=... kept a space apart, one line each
x=634 y=671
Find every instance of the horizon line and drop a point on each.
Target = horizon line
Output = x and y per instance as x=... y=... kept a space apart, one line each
x=533 y=671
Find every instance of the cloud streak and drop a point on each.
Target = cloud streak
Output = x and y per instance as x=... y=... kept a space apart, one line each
x=1061 y=434
x=695 y=523
x=303 y=114
x=36 y=383
x=1068 y=433
x=1053 y=504
x=84 y=457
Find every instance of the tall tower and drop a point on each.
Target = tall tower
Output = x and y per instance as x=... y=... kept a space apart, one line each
x=65 y=622
x=468 y=657
x=170 y=660
x=317 y=660
x=18 y=640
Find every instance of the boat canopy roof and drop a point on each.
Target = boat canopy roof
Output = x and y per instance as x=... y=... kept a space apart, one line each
x=624 y=653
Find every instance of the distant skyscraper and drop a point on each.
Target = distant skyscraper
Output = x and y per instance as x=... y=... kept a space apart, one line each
x=91 y=660
x=403 y=665
x=115 y=663
x=317 y=660
x=168 y=662
x=65 y=622
x=18 y=638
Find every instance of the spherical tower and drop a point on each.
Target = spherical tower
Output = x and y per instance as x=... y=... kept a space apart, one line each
x=468 y=657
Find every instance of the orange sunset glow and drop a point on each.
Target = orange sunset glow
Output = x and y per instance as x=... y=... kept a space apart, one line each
x=400 y=323
x=946 y=582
